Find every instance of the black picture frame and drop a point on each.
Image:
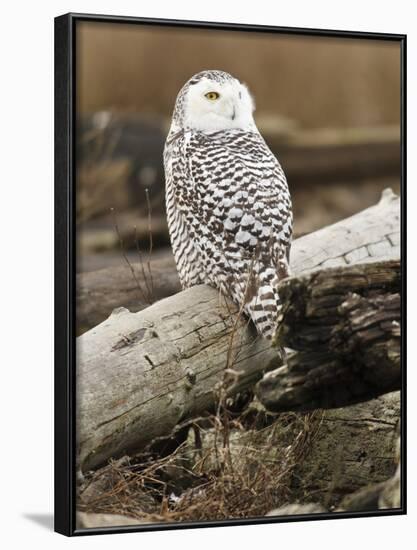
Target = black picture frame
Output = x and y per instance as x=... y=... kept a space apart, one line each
x=65 y=265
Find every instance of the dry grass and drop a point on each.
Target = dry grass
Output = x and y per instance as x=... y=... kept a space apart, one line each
x=225 y=471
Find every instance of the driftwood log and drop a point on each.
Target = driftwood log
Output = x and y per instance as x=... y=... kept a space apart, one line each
x=354 y=462
x=345 y=323
x=356 y=448
x=140 y=374
x=100 y=292
x=358 y=153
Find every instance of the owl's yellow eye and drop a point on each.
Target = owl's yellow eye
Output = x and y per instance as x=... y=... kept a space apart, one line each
x=212 y=96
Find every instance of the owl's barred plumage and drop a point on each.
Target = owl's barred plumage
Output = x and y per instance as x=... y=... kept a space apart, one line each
x=228 y=205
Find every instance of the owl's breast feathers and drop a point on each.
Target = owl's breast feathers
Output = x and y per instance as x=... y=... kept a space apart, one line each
x=229 y=216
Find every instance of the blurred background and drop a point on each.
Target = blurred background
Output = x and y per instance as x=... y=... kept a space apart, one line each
x=329 y=108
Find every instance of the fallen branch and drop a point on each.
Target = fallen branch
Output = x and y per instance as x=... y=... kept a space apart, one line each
x=348 y=338
x=140 y=374
x=355 y=154
x=100 y=292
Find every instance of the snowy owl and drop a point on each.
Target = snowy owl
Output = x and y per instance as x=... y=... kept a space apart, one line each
x=228 y=205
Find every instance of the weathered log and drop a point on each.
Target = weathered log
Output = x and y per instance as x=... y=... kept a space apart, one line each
x=90 y=521
x=368 y=499
x=140 y=374
x=372 y=233
x=383 y=495
x=298 y=510
x=390 y=496
x=355 y=447
x=315 y=302
x=348 y=337
x=356 y=153
x=101 y=291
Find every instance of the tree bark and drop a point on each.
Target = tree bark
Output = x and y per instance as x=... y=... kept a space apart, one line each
x=140 y=374
x=347 y=337
x=356 y=446
x=353 y=461
x=101 y=291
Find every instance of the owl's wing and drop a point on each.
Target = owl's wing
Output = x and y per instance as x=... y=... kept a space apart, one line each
x=238 y=191
x=177 y=180
x=237 y=210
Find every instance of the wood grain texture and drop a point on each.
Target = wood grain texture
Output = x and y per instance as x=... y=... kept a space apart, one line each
x=353 y=461
x=100 y=292
x=345 y=323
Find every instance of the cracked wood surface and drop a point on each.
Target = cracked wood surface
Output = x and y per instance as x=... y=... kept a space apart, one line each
x=356 y=447
x=345 y=323
x=140 y=374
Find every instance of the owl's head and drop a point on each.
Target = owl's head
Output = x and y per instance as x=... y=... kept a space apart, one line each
x=212 y=101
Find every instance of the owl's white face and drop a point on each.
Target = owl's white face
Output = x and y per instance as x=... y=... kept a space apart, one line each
x=212 y=106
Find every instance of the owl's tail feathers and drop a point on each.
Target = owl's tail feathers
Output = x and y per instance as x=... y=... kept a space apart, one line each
x=264 y=309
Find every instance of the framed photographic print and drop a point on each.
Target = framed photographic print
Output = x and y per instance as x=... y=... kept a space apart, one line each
x=230 y=283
